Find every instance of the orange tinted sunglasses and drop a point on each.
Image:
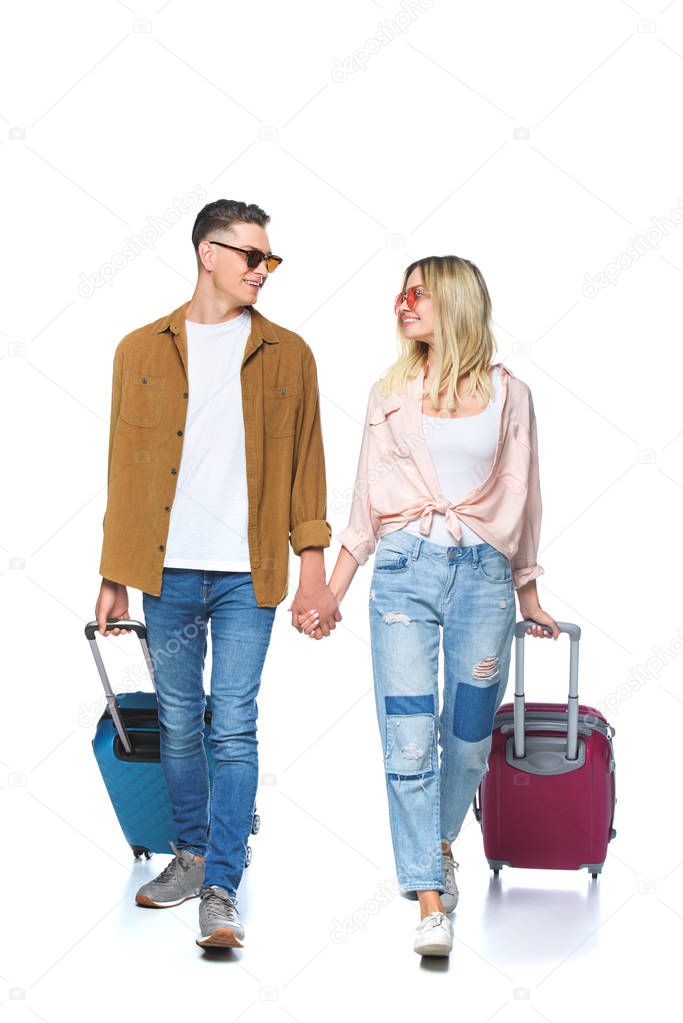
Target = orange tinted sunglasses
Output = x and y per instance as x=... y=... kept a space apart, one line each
x=409 y=296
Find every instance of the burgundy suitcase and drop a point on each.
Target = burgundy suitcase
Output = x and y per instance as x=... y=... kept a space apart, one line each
x=548 y=797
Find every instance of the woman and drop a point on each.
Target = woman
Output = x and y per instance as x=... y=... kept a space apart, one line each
x=448 y=483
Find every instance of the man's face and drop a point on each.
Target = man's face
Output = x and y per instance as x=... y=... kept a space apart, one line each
x=229 y=269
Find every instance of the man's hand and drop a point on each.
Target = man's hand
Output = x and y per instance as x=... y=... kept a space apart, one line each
x=319 y=601
x=111 y=603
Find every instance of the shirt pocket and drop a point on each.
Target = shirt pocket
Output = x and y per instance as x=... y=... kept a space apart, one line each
x=142 y=399
x=384 y=432
x=281 y=407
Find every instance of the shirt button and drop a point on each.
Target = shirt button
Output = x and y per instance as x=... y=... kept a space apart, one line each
x=185 y=394
x=173 y=471
x=167 y=508
x=180 y=433
x=161 y=547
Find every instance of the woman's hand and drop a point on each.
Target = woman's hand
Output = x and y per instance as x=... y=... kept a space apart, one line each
x=309 y=621
x=308 y=624
x=537 y=614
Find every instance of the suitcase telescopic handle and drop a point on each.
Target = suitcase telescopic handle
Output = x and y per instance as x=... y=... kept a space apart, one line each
x=574 y=633
x=91 y=632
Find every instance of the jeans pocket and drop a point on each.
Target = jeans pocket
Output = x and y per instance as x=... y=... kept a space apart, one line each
x=495 y=568
x=391 y=561
x=391 y=554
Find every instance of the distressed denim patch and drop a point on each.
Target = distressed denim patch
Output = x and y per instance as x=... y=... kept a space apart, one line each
x=474 y=710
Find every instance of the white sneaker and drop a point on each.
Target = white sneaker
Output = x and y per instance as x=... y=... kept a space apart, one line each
x=434 y=935
x=449 y=898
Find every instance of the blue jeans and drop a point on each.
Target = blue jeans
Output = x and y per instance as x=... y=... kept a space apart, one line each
x=417 y=587
x=217 y=824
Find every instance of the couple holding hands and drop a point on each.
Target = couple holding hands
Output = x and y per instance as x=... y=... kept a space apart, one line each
x=216 y=466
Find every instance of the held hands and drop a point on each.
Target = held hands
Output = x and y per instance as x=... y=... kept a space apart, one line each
x=315 y=611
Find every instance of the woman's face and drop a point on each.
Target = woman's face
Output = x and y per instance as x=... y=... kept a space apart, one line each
x=417 y=323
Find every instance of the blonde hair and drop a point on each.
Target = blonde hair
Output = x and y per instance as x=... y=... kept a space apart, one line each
x=463 y=336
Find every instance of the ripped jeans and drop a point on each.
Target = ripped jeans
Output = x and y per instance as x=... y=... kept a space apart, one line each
x=418 y=586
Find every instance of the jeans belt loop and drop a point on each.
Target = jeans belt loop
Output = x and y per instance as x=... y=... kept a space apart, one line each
x=475 y=554
x=416 y=548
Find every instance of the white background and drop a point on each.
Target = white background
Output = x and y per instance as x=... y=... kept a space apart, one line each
x=537 y=139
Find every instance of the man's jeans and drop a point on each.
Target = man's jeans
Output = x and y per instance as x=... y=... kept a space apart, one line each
x=416 y=587
x=177 y=622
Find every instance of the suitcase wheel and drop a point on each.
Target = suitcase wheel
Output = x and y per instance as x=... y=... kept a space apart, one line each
x=247 y=860
x=140 y=850
x=255 y=824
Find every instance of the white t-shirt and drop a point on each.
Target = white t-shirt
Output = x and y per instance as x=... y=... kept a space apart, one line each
x=209 y=516
x=462 y=450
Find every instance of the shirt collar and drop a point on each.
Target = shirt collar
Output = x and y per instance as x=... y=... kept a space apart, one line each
x=260 y=326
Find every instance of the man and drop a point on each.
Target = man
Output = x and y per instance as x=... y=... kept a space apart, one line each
x=215 y=466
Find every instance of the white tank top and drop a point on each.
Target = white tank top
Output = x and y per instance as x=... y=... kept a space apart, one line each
x=462 y=450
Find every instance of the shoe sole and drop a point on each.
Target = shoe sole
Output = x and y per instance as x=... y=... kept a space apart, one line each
x=145 y=900
x=223 y=937
x=434 y=950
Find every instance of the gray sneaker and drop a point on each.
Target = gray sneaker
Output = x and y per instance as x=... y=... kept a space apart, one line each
x=180 y=880
x=449 y=898
x=219 y=924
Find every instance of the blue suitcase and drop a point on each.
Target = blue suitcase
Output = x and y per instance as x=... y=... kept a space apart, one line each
x=126 y=747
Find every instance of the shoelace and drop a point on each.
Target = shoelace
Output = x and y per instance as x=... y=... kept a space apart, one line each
x=171 y=868
x=433 y=920
x=450 y=862
x=217 y=905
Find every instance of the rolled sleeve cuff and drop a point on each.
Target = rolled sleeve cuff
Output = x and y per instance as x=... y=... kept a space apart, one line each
x=358 y=545
x=314 y=533
x=521 y=576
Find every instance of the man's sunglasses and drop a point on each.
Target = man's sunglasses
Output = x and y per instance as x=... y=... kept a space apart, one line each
x=254 y=256
x=410 y=297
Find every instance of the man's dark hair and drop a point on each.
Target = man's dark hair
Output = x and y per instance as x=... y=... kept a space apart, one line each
x=222 y=214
